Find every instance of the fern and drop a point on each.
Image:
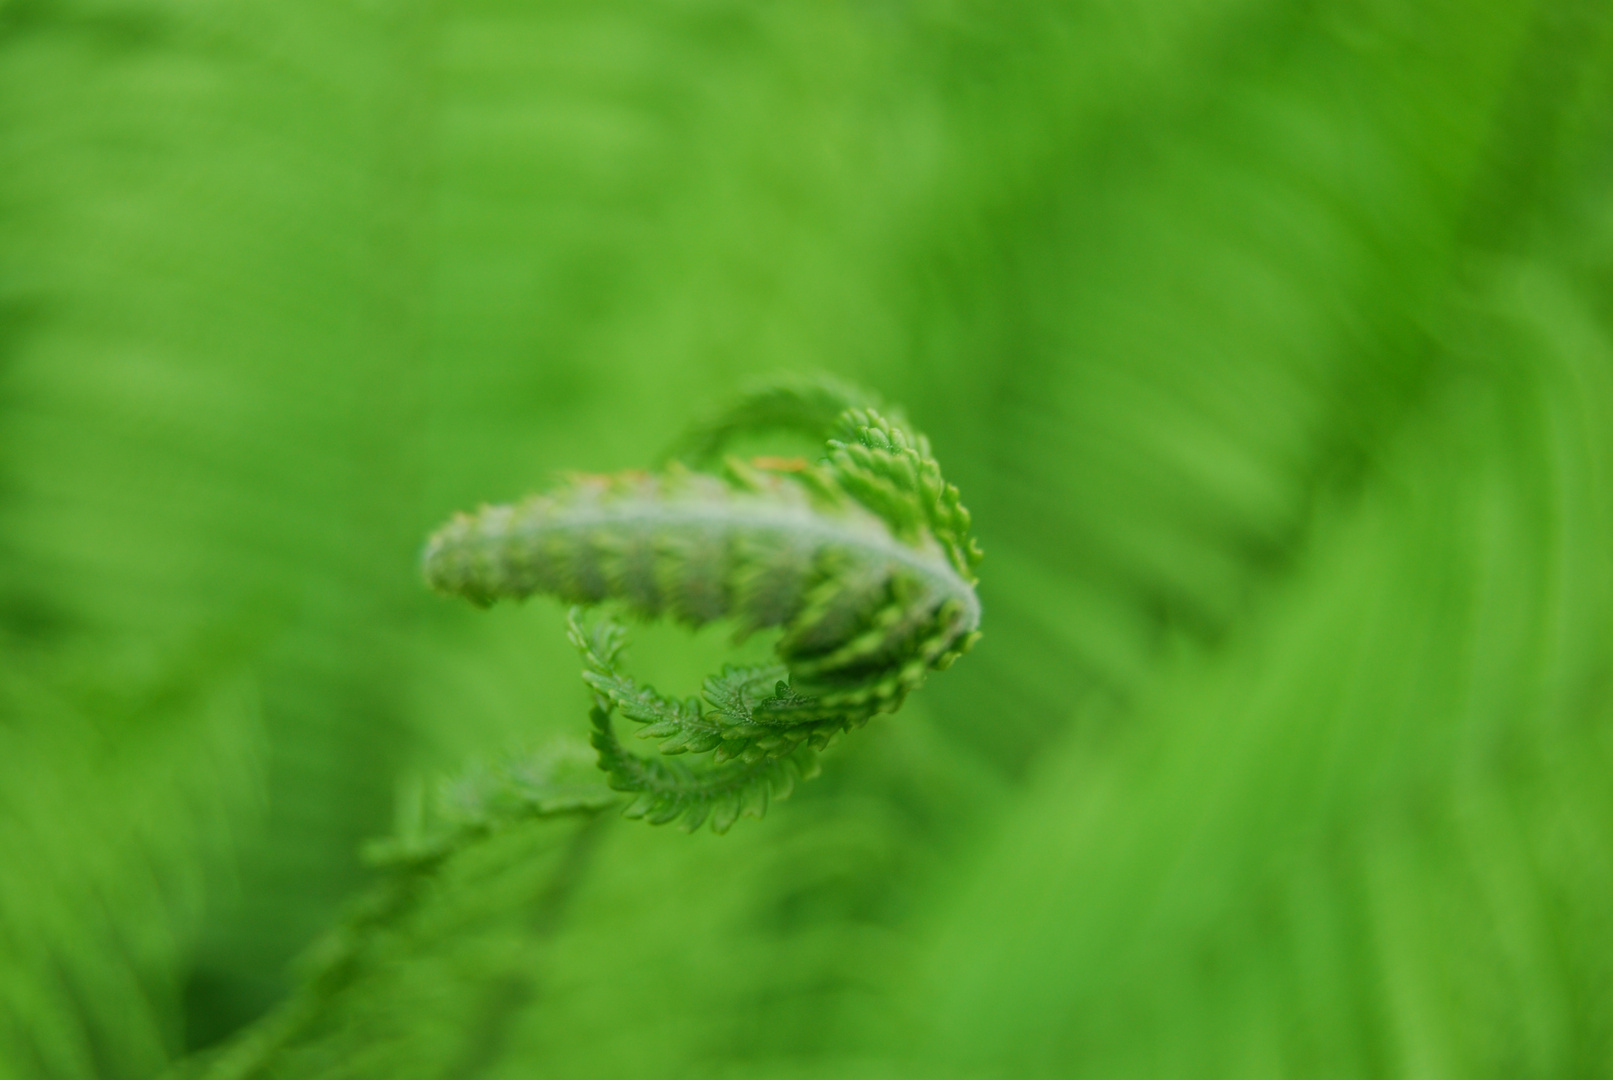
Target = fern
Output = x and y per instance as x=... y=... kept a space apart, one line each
x=481 y=804
x=1247 y=326
x=862 y=561
x=669 y=790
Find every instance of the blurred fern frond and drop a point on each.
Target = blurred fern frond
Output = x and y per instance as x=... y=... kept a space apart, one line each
x=1269 y=340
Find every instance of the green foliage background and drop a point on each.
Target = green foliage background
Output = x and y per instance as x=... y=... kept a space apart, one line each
x=1270 y=343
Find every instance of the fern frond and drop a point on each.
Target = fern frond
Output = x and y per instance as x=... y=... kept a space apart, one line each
x=680 y=725
x=863 y=561
x=669 y=790
x=886 y=464
x=754 y=714
x=810 y=406
x=556 y=779
x=766 y=768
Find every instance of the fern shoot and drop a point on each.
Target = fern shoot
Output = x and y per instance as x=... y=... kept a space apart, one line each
x=862 y=561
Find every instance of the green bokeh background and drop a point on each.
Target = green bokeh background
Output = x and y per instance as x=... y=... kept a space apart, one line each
x=1270 y=342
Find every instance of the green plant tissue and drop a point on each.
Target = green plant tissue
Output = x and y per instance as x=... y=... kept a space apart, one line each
x=1270 y=345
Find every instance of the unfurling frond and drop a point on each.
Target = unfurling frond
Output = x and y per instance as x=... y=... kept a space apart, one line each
x=863 y=561
x=667 y=791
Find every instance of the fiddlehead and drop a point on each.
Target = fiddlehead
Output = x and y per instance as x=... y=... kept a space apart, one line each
x=862 y=561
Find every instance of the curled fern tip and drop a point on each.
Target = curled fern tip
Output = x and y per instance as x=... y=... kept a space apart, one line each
x=862 y=561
